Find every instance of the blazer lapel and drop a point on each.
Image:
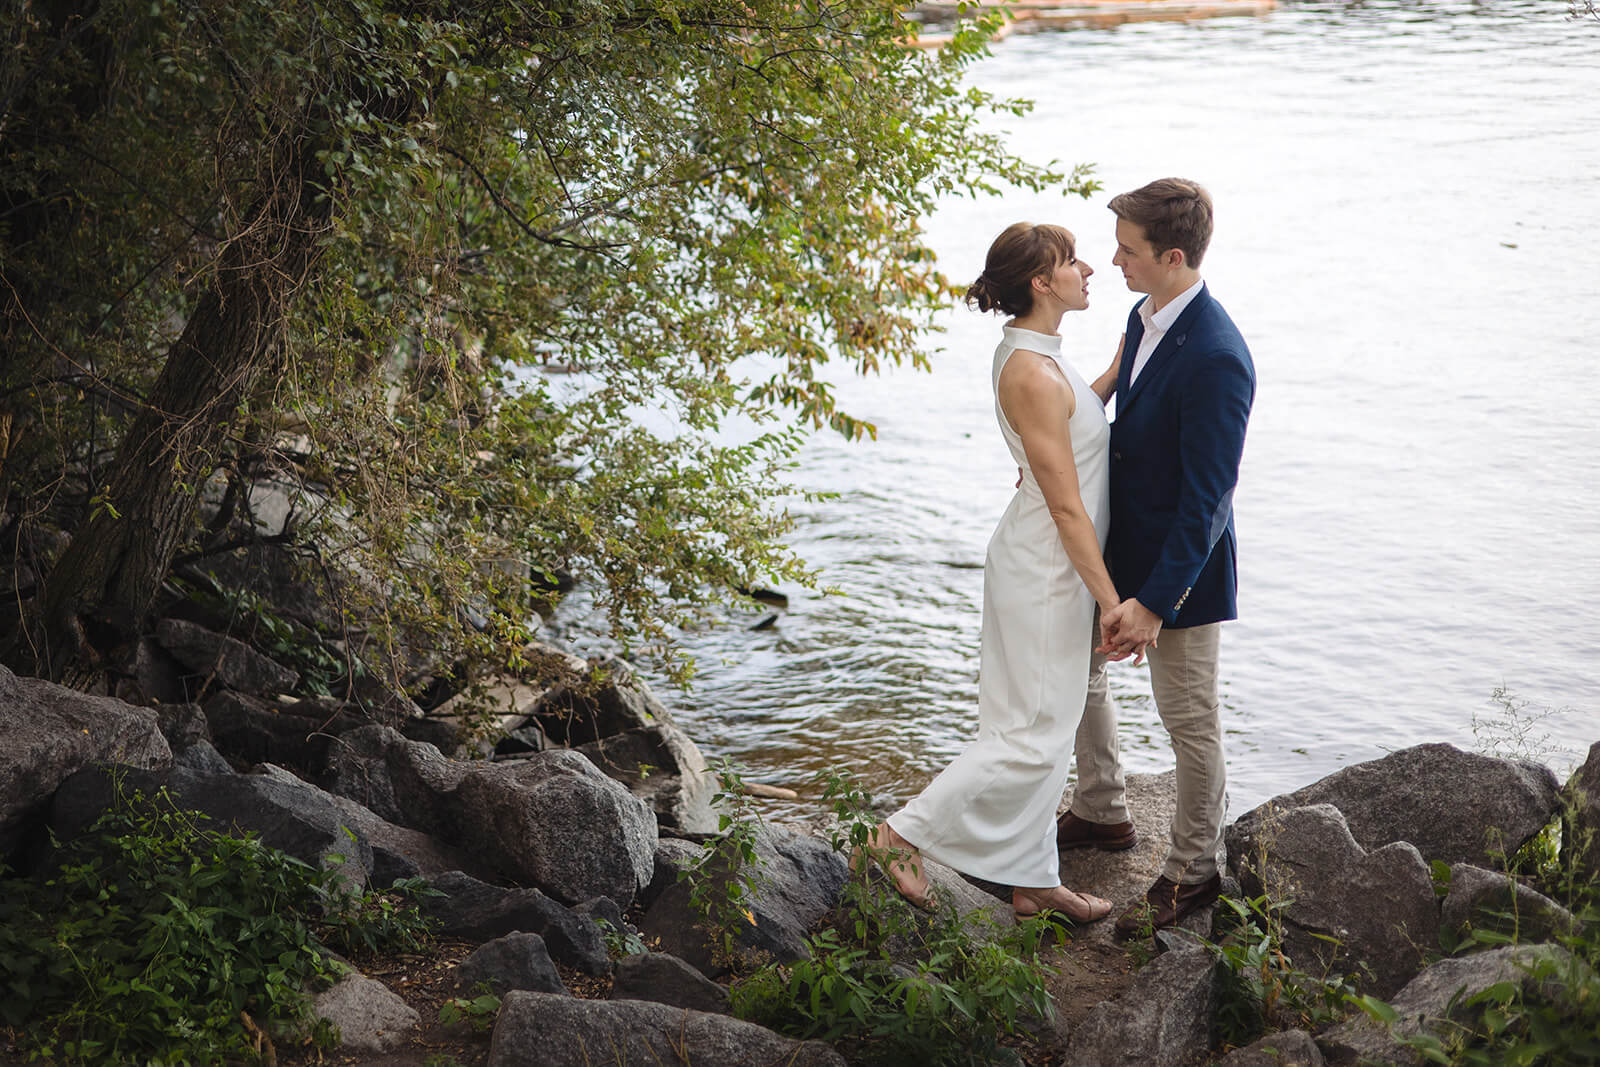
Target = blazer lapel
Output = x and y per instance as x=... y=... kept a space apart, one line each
x=1171 y=343
x=1130 y=344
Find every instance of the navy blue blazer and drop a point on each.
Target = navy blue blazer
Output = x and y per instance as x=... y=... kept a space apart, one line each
x=1175 y=447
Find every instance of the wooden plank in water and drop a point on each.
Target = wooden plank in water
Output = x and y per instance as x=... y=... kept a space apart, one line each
x=1031 y=17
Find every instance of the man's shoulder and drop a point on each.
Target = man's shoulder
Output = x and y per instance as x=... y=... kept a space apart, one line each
x=1216 y=329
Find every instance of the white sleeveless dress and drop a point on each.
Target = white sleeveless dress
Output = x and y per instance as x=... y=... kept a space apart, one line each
x=991 y=812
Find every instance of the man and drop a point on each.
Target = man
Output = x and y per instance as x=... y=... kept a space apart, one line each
x=1184 y=392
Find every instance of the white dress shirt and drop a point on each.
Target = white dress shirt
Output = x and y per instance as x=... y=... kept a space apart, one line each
x=1157 y=323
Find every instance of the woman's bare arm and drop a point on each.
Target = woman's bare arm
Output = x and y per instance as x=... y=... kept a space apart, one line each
x=1038 y=402
x=1106 y=384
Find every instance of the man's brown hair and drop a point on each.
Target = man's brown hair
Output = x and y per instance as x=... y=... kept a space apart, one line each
x=1173 y=212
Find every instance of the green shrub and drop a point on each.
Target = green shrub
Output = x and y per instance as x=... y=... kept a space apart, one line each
x=1550 y=1017
x=157 y=935
x=1262 y=989
x=724 y=879
x=888 y=987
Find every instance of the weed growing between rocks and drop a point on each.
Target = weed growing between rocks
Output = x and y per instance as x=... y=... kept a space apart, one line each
x=881 y=983
x=725 y=877
x=1262 y=989
x=1551 y=1014
x=477 y=1011
x=160 y=940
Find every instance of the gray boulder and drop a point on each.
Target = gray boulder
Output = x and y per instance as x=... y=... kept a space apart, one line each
x=405 y=782
x=253 y=730
x=1290 y=1048
x=577 y=713
x=202 y=758
x=52 y=732
x=287 y=813
x=1378 y=908
x=182 y=725
x=1488 y=900
x=556 y=1031
x=398 y=851
x=1433 y=998
x=1455 y=806
x=551 y=820
x=665 y=979
x=673 y=855
x=1580 y=838
x=515 y=961
x=470 y=908
x=369 y=1016
x=663 y=767
x=799 y=881
x=554 y=821
x=148 y=672
x=1163 y=1018
x=235 y=664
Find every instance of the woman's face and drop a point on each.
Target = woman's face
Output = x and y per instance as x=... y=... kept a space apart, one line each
x=1069 y=283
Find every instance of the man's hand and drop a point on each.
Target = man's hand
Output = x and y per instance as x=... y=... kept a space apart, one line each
x=1127 y=629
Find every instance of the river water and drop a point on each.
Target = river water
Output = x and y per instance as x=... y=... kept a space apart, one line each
x=1408 y=234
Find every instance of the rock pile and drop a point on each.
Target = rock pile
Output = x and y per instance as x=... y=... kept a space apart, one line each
x=537 y=853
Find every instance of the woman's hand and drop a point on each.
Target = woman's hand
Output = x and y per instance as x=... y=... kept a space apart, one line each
x=1127 y=630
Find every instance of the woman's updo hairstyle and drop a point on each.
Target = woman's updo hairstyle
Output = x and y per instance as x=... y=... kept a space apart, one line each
x=1023 y=251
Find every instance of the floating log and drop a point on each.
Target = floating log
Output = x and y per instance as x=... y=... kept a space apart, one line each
x=769 y=792
x=1082 y=14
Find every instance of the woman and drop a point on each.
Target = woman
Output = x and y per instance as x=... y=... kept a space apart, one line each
x=991 y=812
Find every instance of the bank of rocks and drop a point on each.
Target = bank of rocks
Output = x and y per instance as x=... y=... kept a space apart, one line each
x=536 y=855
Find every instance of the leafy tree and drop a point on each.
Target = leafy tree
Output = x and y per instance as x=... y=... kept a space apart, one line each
x=336 y=241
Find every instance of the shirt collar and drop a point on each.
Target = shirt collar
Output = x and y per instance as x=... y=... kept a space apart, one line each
x=1162 y=320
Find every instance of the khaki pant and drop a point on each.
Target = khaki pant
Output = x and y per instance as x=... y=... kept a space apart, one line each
x=1183 y=675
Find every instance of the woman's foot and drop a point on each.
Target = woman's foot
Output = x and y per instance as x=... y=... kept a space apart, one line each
x=1079 y=907
x=902 y=862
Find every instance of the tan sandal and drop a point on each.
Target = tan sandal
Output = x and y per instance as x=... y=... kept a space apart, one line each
x=1077 y=907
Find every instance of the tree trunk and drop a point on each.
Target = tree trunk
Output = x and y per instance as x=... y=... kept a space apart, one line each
x=101 y=591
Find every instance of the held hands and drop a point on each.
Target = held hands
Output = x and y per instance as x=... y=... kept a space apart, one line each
x=1127 y=629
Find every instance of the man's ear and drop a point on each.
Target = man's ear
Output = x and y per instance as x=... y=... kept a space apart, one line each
x=1173 y=258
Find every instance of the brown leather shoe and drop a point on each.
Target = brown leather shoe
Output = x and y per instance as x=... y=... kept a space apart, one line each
x=1073 y=832
x=1165 y=903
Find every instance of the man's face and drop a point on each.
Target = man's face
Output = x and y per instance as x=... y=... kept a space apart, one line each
x=1141 y=268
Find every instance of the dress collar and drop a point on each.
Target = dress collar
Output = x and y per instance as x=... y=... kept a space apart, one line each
x=1034 y=341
